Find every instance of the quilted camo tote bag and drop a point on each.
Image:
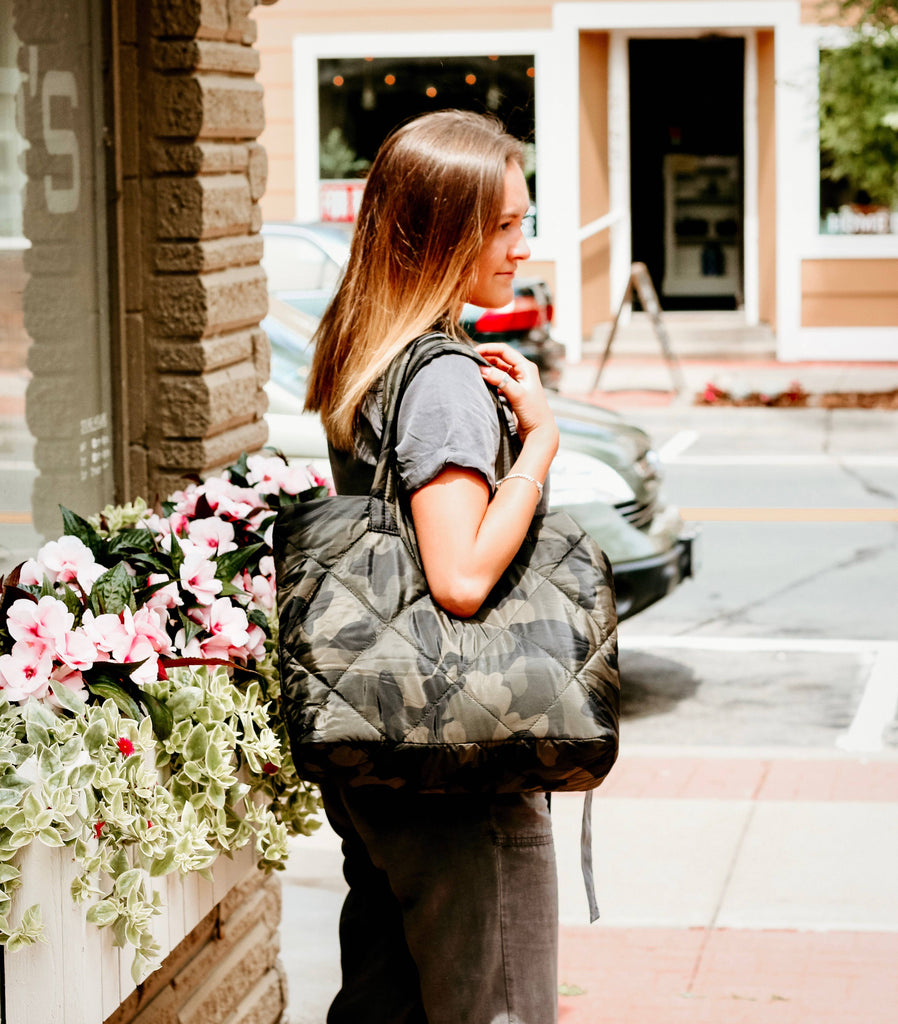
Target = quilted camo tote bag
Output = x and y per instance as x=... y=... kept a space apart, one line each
x=382 y=686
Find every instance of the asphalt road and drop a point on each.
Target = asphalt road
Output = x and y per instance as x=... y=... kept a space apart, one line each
x=788 y=635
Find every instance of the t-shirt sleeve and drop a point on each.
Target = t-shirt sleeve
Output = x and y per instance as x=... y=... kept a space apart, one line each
x=447 y=418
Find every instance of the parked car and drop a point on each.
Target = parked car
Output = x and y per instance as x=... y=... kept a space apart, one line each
x=303 y=263
x=605 y=474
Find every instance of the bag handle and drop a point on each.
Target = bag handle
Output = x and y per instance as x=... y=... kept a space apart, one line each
x=397 y=378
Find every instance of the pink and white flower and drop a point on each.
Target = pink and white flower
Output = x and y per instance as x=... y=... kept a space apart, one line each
x=197 y=574
x=165 y=597
x=228 y=625
x=67 y=559
x=44 y=622
x=25 y=671
x=212 y=534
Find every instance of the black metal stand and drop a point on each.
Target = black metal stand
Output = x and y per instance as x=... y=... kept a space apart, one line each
x=640 y=283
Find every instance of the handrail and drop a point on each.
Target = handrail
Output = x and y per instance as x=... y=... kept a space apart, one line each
x=599 y=224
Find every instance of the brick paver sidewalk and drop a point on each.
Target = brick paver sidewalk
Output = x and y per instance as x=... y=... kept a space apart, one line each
x=714 y=975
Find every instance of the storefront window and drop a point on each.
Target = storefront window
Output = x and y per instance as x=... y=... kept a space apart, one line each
x=361 y=99
x=859 y=136
x=55 y=404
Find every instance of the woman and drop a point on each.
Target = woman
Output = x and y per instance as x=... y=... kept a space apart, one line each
x=451 y=915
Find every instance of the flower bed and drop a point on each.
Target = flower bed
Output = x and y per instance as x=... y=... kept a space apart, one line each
x=140 y=715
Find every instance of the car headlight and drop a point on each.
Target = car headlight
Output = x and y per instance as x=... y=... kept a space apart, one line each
x=579 y=479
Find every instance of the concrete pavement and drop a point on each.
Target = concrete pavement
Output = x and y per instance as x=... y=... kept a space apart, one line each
x=738 y=886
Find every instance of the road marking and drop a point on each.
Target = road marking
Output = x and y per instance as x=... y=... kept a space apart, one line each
x=812 y=645
x=735 y=460
x=673 y=449
x=878 y=705
x=789 y=515
x=15 y=518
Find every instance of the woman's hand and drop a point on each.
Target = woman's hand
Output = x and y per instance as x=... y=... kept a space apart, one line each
x=518 y=379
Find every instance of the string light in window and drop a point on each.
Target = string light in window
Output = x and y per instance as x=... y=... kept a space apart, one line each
x=531 y=72
x=338 y=80
x=390 y=79
x=471 y=79
x=431 y=91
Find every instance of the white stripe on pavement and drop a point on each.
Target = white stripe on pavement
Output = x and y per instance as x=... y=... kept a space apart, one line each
x=671 y=450
x=762 y=459
x=878 y=705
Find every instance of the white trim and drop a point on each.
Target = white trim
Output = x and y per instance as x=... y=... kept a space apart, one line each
x=674 y=14
x=795 y=174
x=751 y=251
x=307 y=49
x=864 y=344
x=619 y=167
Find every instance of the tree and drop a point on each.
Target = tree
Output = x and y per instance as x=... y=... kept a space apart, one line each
x=859 y=100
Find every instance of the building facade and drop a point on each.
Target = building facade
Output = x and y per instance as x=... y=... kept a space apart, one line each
x=680 y=133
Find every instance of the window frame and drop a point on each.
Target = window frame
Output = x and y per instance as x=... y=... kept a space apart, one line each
x=308 y=49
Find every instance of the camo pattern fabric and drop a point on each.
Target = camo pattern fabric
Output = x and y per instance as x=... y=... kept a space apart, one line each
x=383 y=687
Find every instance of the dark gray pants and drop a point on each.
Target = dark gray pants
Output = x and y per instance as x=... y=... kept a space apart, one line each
x=452 y=911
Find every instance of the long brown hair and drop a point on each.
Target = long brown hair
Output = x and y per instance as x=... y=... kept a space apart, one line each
x=432 y=197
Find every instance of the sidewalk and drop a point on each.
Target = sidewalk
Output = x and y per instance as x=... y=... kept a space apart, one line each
x=747 y=888
x=709 y=349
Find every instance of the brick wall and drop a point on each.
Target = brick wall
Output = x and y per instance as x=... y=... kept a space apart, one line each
x=225 y=972
x=193 y=292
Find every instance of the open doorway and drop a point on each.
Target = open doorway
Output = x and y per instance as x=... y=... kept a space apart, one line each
x=686 y=160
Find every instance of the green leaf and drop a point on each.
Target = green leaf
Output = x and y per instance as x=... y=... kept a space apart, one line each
x=113 y=589
x=69 y=699
x=238 y=470
x=74 y=525
x=177 y=554
x=128 y=881
x=108 y=688
x=232 y=562
x=103 y=913
x=164 y=865
x=197 y=742
x=191 y=628
x=258 y=618
x=72 y=601
x=132 y=540
x=161 y=717
x=185 y=701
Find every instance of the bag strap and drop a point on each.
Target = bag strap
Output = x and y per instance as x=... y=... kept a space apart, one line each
x=397 y=378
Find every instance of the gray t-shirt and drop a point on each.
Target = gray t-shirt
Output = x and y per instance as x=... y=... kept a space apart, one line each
x=447 y=418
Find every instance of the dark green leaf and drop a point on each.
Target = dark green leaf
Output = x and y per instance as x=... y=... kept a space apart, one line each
x=108 y=688
x=159 y=714
x=257 y=616
x=74 y=525
x=113 y=589
x=177 y=553
x=231 y=562
x=191 y=628
x=131 y=540
x=239 y=470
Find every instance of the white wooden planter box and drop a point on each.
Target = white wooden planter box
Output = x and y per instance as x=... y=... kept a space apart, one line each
x=79 y=976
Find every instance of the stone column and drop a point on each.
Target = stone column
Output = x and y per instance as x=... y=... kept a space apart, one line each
x=192 y=175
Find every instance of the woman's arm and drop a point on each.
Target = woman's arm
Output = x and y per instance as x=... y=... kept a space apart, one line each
x=467 y=541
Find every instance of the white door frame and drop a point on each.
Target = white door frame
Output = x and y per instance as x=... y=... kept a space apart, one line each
x=628 y=19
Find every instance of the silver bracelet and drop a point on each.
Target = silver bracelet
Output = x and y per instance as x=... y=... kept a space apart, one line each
x=521 y=476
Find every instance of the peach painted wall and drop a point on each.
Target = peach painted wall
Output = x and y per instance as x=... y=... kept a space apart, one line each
x=766 y=180
x=594 y=187
x=849 y=293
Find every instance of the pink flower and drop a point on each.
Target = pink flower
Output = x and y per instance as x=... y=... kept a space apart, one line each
x=228 y=625
x=77 y=651
x=125 y=746
x=25 y=671
x=212 y=534
x=197 y=574
x=121 y=640
x=44 y=622
x=229 y=500
x=165 y=597
x=263 y=591
x=98 y=828
x=146 y=624
x=67 y=559
x=272 y=474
